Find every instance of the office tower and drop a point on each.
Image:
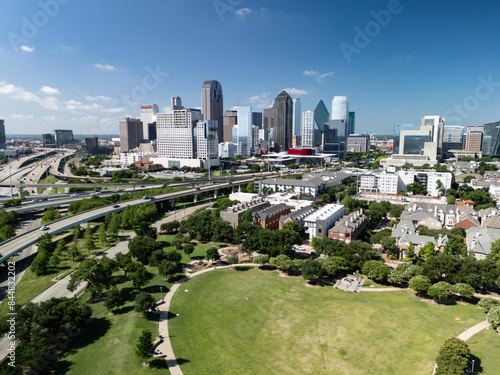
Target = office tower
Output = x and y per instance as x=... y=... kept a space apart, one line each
x=2 y=135
x=474 y=139
x=175 y=103
x=491 y=139
x=358 y=142
x=48 y=140
x=414 y=144
x=257 y=119
x=64 y=137
x=152 y=131
x=340 y=108
x=321 y=117
x=397 y=133
x=212 y=107
x=437 y=126
x=244 y=138
x=148 y=116
x=335 y=138
x=283 y=112
x=308 y=129
x=131 y=134
x=230 y=119
x=297 y=117
x=453 y=138
x=352 y=123
x=91 y=143
x=269 y=118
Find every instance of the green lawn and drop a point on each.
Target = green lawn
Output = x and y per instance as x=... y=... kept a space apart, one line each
x=288 y=327
x=485 y=350
x=109 y=346
x=200 y=250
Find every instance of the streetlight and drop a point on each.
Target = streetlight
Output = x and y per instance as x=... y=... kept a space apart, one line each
x=161 y=292
x=472 y=366
x=10 y=177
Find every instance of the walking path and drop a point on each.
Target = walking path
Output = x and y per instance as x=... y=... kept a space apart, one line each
x=165 y=346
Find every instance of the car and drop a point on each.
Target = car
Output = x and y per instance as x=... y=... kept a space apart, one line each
x=44 y=227
x=143 y=186
x=146 y=197
x=119 y=190
x=116 y=206
x=197 y=188
x=74 y=195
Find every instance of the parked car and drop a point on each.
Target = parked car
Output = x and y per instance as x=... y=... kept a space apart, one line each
x=44 y=227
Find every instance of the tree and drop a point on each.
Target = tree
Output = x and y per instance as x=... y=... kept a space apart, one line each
x=144 y=229
x=410 y=253
x=141 y=247
x=140 y=276
x=396 y=211
x=145 y=346
x=261 y=259
x=101 y=234
x=73 y=252
x=375 y=270
x=420 y=284
x=311 y=270
x=388 y=243
x=55 y=259
x=463 y=290
x=114 y=225
x=213 y=254
x=440 y=291
x=427 y=251
x=188 y=249
x=453 y=357
x=97 y=274
x=495 y=250
x=168 y=268
x=403 y=273
x=89 y=244
x=144 y=302
x=113 y=299
x=416 y=188
x=291 y=226
x=332 y=264
x=455 y=247
x=170 y=227
x=493 y=317
x=488 y=303
x=233 y=259
x=123 y=261
x=40 y=264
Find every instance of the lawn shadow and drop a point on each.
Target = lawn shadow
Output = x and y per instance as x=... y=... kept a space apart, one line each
x=128 y=293
x=123 y=310
x=155 y=289
x=180 y=361
x=171 y=315
x=267 y=267
x=158 y=363
x=61 y=366
x=95 y=329
x=242 y=268
x=478 y=369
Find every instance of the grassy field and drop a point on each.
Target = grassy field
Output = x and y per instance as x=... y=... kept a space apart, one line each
x=287 y=327
x=485 y=350
x=109 y=346
x=200 y=250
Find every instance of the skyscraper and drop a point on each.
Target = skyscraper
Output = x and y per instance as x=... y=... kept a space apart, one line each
x=148 y=116
x=212 y=106
x=130 y=133
x=340 y=108
x=269 y=118
x=230 y=119
x=64 y=137
x=335 y=138
x=244 y=135
x=491 y=139
x=283 y=112
x=2 y=134
x=48 y=139
x=453 y=138
x=297 y=117
x=321 y=117
x=352 y=123
x=308 y=129
x=437 y=127
x=175 y=103
x=474 y=139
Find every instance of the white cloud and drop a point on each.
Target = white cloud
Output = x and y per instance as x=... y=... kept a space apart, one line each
x=67 y=48
x=49 y=90
x=18 y=93
x=50 y=103
x=243 y=12
x=99 y=97
x=49 y=118
x=294 y=91
x=319 y=77
x=260 y=101
x=86 y=118
x=26 y=48
x=104 y=67
x=18 y=116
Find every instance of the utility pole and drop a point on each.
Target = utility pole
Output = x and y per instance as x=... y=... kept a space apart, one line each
x=10 y=178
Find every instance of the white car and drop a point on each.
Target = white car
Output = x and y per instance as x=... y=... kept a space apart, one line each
x=44 y=227
x=74 y=195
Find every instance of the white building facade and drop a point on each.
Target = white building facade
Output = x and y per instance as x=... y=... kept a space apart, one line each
x=320 y=222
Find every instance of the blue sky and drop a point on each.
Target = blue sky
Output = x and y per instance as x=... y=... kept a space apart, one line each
x=82 y=65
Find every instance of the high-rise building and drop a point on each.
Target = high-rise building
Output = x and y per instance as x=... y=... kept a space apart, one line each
x=437 y=127
x=148 y=116
x=297 y=116
x=2 y=135
x=321 y=117
x=131 y=134
x=152 y=131
x=491 y=139
x=184 y=138
x=257 y=119
x=212 y=106
x=453 y=138
x=358 y=143
x=48 y=139
x=244 y=136
x=340 y=108
x=474 y=139
x=308 y=129
x=64 y=137
x=397 y=132
x=91 y=143
x=352 y=123
x=230 y=119
x=175 y=103
x=335 y=138
x=269 y=118
x=283 y=111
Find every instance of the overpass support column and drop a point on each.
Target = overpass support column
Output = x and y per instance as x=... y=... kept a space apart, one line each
x=193 y=185
x=216 y=193
x=172 y=204
x=195 y=198
x=232 y=189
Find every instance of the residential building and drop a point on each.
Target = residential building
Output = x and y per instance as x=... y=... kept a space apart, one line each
x=48 y=140
x=234 y=213
x=437 y=216
x=269 y=218
x=242 y=197
x=132 y=157
x=474 y=139
x=405 y=234
x=479 y=240
x=297 y=216
x=358 y=143
x=349 y=227
x=212 y=105
x=2 y=134
x=64 y=137
x=148 y=117
x=385 y=182
x=297 y=117
x=130 y=133
x=320 y=222
x=283 y=113
x=230 y=119
x=290 y=199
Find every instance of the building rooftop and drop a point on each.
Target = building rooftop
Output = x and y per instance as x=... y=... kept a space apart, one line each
x=324 y=212
x=273 y=210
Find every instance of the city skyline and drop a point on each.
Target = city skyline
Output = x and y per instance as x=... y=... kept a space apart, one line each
x=59 y=73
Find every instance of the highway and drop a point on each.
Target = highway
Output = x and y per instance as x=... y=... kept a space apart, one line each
x=14 y=245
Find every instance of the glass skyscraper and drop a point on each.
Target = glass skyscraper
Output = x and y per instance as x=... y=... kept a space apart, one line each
x=491 y=139
x=397 y=131
x=2 y=135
